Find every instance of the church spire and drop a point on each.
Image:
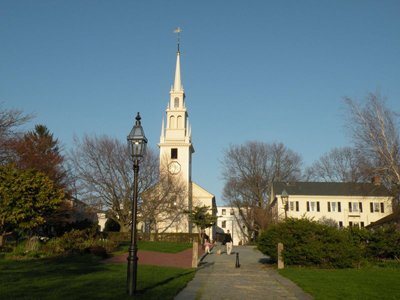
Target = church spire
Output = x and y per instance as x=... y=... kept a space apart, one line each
x=177 y=82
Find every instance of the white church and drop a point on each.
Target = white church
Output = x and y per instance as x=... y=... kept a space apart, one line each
x=176 y=150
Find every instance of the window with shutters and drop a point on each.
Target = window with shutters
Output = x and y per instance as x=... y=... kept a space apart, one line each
x=377 y=207
x=333 y=206
x=294 y=205
x=355 y=207
x=313 y=206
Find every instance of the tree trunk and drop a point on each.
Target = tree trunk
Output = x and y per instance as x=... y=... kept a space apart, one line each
x=124 y=228
x=2 y=240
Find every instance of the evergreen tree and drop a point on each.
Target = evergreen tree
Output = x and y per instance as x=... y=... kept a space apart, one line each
x=39 y=150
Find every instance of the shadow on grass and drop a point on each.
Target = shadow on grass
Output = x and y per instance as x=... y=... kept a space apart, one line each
x=166 y=281
x=84 y=277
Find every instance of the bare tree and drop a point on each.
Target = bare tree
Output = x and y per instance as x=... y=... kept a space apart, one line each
x=10 y=120
x=104 y=178
x=165 y=203
x=104 y=175
x=375 y=132
x=249 y=170
x=339 y=165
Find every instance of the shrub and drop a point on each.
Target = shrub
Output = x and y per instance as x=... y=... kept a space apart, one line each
x=78 y=242
x=310 y=243
x=30 y=248
x=384 y=243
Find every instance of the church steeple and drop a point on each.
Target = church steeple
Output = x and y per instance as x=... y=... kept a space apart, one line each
x=176 y=150
x=177 y=82
x=176 y=134
x=178 y=87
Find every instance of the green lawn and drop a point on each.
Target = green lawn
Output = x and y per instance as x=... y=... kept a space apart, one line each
x=366 y=283
x=85 y=277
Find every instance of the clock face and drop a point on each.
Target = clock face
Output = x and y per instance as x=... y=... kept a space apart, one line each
x=174 y=167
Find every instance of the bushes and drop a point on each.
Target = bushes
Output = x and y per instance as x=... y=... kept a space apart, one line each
x=308 y=243
x=78 y=242
x=72 y=242
x=384 y=243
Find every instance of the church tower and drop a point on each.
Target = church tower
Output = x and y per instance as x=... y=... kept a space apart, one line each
x=176 y=150
x=175 y=145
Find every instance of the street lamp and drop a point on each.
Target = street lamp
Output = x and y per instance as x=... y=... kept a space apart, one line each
x=137 y=148
x=285 y=201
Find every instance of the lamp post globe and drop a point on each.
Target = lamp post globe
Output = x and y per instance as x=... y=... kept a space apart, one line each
x=137 y=142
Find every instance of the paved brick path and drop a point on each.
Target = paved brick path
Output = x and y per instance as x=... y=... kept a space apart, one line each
x=218 y=278
x=181 y=259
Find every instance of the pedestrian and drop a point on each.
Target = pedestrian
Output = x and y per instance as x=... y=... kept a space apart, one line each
x=204 y=237
x=208 y=246
x=228 y=242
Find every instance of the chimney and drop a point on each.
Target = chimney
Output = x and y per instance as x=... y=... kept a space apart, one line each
x=376 y=180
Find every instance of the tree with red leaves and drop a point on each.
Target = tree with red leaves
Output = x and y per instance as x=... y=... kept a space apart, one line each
x=39 y=150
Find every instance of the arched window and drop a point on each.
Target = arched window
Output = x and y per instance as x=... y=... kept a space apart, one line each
x=176 y=102
x=179 y=122
x=172 y=122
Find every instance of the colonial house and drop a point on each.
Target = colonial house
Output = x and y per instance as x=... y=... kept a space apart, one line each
x=229 y=219
x=345 y=204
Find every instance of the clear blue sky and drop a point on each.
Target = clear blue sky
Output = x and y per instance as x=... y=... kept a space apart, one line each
x=272 y=71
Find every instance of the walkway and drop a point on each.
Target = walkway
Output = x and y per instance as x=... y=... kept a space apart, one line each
x=217 y=278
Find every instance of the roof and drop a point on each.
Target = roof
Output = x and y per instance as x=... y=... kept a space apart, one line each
x=331 y=189
x=389 y=219
x=200 y=192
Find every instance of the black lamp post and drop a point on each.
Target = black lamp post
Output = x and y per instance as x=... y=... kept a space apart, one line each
x=137 y=148
x=285 y=201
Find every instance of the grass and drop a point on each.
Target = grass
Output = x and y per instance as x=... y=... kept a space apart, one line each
x=86 y=277
x=367 y=283
x=167 y=247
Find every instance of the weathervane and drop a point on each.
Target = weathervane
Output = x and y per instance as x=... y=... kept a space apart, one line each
x=178 y=31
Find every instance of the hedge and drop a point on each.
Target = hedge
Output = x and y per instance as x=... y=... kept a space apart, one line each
x=307 y=242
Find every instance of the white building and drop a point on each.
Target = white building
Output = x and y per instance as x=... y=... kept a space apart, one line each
x=229 y=219
x=346 y=204
x=176 y=150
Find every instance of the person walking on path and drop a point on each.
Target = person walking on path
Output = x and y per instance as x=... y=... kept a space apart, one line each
x=228 y=242
x=207 y=246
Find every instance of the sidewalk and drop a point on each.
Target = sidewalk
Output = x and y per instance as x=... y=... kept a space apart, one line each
x=217 y=278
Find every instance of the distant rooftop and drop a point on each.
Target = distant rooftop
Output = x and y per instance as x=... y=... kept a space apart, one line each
x=330 y=189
